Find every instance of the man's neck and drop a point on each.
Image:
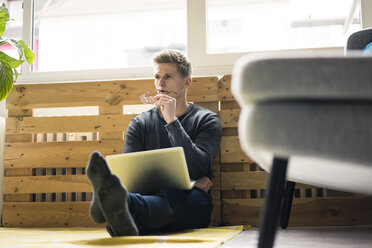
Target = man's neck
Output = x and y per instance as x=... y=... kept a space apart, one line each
x=181 y=108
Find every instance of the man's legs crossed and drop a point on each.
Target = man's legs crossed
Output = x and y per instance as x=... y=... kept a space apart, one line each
x=192 y=209
x=168 y=210
x=122 y=210
x=109 y=198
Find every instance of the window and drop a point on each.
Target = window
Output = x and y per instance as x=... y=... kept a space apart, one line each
x=251 y=25
x=95 y=34
x=101 y=40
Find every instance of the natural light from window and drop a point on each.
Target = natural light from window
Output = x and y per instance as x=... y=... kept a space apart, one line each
x=96 y=34
x=261 y=25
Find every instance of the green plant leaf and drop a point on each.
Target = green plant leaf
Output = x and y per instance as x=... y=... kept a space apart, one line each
x=15 y=73
x=4 y=17
x=18 y=46
x=29 y=54
x=15 y=44
x=14 y=63
x=2 y=23
x=4 y=9
x=6 y=79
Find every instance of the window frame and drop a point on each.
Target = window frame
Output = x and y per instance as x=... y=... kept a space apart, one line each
x=203 y=63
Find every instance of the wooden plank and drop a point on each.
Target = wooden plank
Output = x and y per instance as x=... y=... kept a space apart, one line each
x=118 y=92
x=203 y=89
x=19 y=171
x=213 y=106
x=77 y=94
x=231 y=151
x=216 y=180
x=56 y=154
x=216 y=214
x=46 y=184
x=49 y=171
x=246 y=180
x=216 y=194
x=29 y=125
x=216 y=170
x=224 y=88
x=236 y=194
x=47 y=214
x=229 y=105
x=229 y=118
x=243 y=180
x=226 y=167
x=111 y=135
x=305 y=211
x=230 y=131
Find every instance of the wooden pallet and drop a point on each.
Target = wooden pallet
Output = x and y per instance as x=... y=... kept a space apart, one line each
x=45 y=157
x=45 y=183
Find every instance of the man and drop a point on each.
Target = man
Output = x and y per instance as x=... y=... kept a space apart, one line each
x=172 y=122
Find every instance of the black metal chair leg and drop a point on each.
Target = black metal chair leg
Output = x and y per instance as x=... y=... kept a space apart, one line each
x=287 y=204
x=271 y=208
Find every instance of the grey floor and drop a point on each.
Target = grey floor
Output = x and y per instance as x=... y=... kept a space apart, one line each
x=328 y=237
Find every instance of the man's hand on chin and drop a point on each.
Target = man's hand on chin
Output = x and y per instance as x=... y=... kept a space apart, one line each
x=167 y=106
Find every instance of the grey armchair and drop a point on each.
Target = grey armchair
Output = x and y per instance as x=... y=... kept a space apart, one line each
x=359 y=40
x=302 y=115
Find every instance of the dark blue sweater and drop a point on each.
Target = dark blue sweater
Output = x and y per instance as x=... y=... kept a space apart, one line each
x=198 y=131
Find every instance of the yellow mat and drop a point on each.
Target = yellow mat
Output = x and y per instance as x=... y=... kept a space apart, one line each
x=98 y=237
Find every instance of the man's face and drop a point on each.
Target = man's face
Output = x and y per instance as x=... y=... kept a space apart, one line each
x=168 y=78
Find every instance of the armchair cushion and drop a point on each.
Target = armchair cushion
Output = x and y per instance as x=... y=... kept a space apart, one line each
x=316 y=111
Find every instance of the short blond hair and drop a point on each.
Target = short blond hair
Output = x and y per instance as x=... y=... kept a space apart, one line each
x=174 y=57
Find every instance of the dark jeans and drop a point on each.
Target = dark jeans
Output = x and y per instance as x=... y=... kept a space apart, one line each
x=170 y=210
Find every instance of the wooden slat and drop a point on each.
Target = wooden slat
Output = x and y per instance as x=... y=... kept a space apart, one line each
x=56 y=154
x=216 y=211
x=203 y=89
x=246 y=180
x=20 y=171
x=213 y=106
x=236 y=194
x=229 y=167
x=224 y=92
x=231 y=151
x=230 y=131
x=77 y=94
x=305 y=211
x=119 y=92
x=47 y=214
x=68 y=192
x=229 y=118
x=113 y=135
x=229 y=105
x=216 y=180
x=28 y=125
x=243 y=180
x=46 y=184
x=216 y=214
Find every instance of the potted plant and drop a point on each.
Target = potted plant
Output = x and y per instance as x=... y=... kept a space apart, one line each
x=9 y=65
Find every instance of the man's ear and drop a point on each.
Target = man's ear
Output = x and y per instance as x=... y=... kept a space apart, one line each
x=188 y=82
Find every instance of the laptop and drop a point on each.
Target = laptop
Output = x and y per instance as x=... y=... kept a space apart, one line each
x=149 y=171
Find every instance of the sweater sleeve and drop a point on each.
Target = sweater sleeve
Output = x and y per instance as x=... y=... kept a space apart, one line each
x=202 y=150
x=134 y=141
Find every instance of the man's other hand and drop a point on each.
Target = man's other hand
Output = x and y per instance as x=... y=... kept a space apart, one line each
x=204 y=184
